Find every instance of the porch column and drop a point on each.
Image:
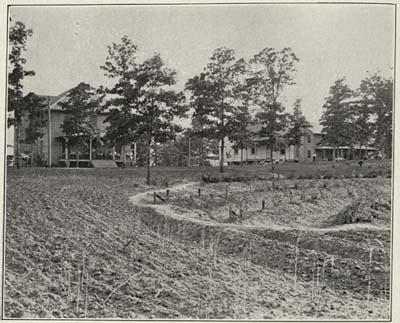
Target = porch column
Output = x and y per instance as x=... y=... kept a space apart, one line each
x=113 y=153
x=123 y=153
x=66 y=153
x=90 y=149
x=323 y=154
x=134 y=153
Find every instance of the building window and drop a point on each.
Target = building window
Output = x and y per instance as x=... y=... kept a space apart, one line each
x=308 y=153
x=254 y=149
x=309 y=139
x=235 y=151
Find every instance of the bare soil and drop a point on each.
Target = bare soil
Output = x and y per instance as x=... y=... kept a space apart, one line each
x=92 y=244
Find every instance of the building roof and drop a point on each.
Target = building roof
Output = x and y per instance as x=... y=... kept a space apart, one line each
x=55 y=100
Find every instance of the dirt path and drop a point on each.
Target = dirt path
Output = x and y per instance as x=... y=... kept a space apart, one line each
x=145 y=199
x=275 y=245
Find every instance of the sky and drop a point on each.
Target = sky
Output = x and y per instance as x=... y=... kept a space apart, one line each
x=69 y=44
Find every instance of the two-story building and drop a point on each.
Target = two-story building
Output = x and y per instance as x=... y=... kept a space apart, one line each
x=54 y=147
x=311 y=148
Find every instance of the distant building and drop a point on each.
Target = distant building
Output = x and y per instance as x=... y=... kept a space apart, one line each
x=311 y=148
x=63 y=153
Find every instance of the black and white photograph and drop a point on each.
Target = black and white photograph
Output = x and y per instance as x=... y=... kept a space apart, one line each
x=199 y=161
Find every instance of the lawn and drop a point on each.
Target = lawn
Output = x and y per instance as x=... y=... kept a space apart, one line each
x=78 y=243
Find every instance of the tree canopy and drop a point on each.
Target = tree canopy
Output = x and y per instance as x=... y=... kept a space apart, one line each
x=272 y=72
x=215 y=96
x=143 y=106
x=81 y=106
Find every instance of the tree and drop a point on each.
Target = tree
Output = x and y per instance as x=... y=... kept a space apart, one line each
x=297 y=126
x=81 y=106
x=35 y=108
x=242 y=137
x=361 y=127
x=157 y=106
x=18 y=36
x=337 y=116
x=145 y=107
x=377 y=95
x=214 y=96
x=121 y=66
x=272 y=72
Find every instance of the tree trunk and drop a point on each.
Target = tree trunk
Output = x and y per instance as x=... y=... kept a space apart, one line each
x=351 y=150
x=241 y=154
x=90 y=149
x=16 y=153
x=334 y=153
x=189 y=152
x=148 y=160
x=31 y=159
x=66 y=154
x=123 y=151
x=135 y=154
x=201 y=153
x=272 y=156
x=221 y=163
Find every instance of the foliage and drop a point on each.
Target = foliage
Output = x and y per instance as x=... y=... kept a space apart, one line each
x=336 y=119
x=297 y=125
x=35 y=107
x=215 y=95
x=377 y=98
x=242 y=136
x=361 y=127
x=81 y=107
x=272 y=71
x=144 y=108
x=18 y=37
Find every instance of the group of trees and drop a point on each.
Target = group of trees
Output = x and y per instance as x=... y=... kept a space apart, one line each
x=20 y=105
x=228 y=89
x=361 y=117
x=226 y=98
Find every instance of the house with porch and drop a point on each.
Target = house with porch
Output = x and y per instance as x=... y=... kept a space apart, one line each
x=53 y=147
x=311 y=148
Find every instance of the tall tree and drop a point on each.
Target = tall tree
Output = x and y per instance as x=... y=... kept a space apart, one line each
x=242 y=136
x=35 y=108
x=18 y=36
x=336 y=119
x=145 y=106
x=377 y=95
x=272 y=72
x=214 y=96
x=157 y=105
x=121 y=67
x=361 y=126
x=81 y=106
x=297 y=126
